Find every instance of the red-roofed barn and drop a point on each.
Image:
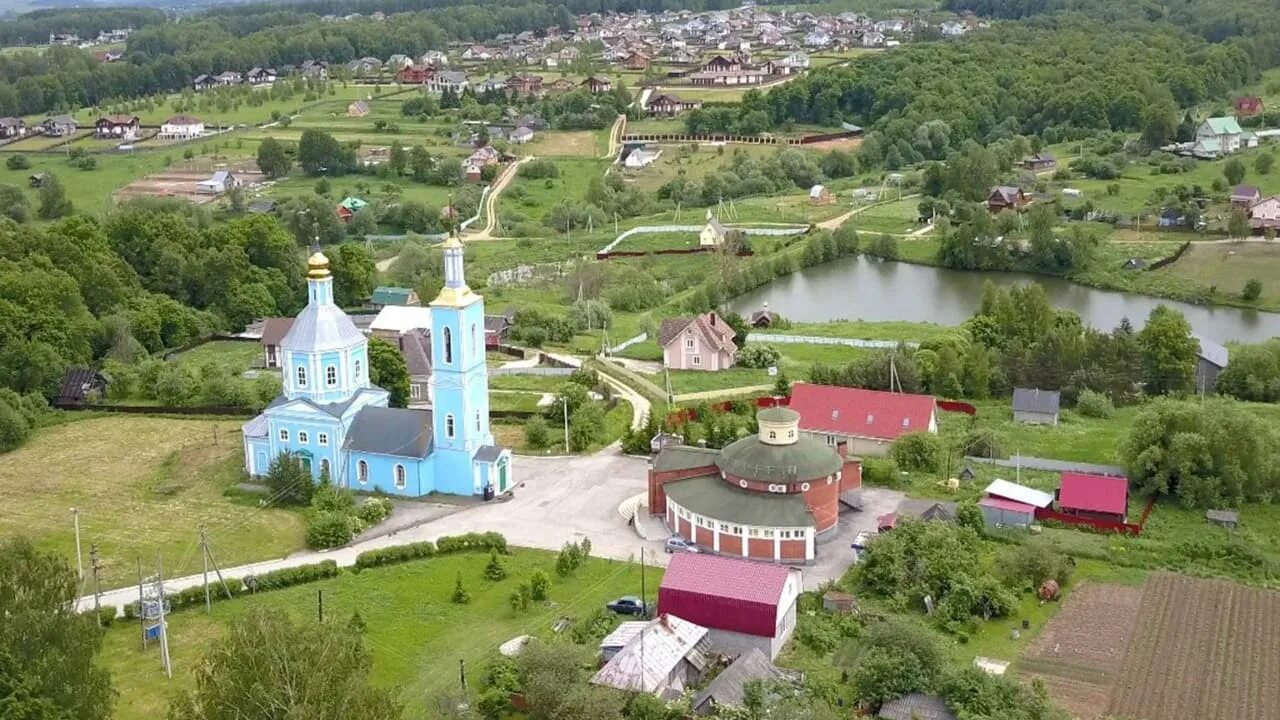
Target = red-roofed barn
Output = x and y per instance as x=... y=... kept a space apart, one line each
x=868 y=420
x=1101 y=497
x=743 y=603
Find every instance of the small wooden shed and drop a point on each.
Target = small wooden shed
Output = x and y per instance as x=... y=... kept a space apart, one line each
x=1225 y=518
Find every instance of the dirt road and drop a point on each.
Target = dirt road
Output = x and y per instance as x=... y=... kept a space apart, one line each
x=491 y=201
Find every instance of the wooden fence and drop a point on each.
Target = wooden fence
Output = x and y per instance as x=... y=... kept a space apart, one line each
x=737 y=139
x=1134 y=529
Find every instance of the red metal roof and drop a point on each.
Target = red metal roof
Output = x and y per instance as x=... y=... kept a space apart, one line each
x=724 y=593
x=1003 y=504
x=1093 y=493
x=861 y=413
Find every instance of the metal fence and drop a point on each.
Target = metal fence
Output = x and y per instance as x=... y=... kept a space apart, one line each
x=534 y=370
x=628 y=343
x=816 y=340
x=648 y=229
x=1050 y=465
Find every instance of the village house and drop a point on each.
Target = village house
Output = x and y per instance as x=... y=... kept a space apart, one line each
x=666 y=657
x=227 y=79
x=1006 y=197
x=1033 y=406
x=525 y=85
x=1211 y=360
x=729 y=691
x=1040 y=161
x=746 y=605
x=80 y=385
x=414 y=75
x=181 y=127
x=452 y=80
x=59 y=126
x=521 y=135
x=393 y=322
x=365 y=67
x=12 y=127
x=1218 y=136
x=358 y=109
x=562 y=85
x=721 y=64
x=433 y=59
x=1099 y=497
x=273 y=331
x=667 y=105
x=752 y=76
x=637 y=61
x=641 y=157
x=820 y=195
x=597 y=85
x=202 y=82
x=915 y=706
x=703 y=342
x=713 y=233
x=1265 y=213
x=318 y=69
x=477 y=52
x=260 y=76
x=497 y=328
x=221 y=181
x=762 y=318
x=349 y=207
x=866 y=421
x=1243 y=197
x=385 y=295
x=952 y=29
x=398 y=62
x=117 y=127
x=1248 y=106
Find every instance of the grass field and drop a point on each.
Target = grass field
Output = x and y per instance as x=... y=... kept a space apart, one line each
x=233 y=355
x=415 y=634
x=142 y=485
x=1228 y=266
x=895 y=218
x=534 y=198
x=580 y=144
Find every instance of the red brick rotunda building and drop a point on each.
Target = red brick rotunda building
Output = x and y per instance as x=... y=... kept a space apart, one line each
x=770 y=496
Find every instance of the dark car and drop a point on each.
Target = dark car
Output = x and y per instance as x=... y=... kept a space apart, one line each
x=627 y=606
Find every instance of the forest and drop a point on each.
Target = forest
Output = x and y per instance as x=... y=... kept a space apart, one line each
x=34 y=28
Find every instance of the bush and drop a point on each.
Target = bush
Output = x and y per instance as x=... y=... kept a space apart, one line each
x=494 y=704
x=1253 y=288
x=917 y=451
x=879 y=471
x=374 y=510
x=288 y=577
x=495 y=570
x=539 y=586
x=969 y=515
x=538 y=169
x=758 y=356
x=17 y=162
x=536 y=433
x=446 y=545
x=328 y=529
x=521 y=598
x=1027 y=565
x=1094 y=404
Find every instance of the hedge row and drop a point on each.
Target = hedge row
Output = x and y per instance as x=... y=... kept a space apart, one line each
x=446 y=545
x=274 y=580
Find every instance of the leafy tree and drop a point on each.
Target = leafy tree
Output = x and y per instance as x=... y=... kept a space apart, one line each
x=48 y=668
x=388 y=371
x=1168 y=352
x=1234 y=171
x=1238 y=224
x=290 y=482
x=1263 y=163
x=758 y=356
x=54 y=202
x=266 y=660
x=586 y=426
x=919 y=450
x=1253 y=374
x=354 y=273
x=320 y=154
x=969 y=515
x=897 y=659
x=273 y=159
x=1252 y=290
x=536 y=433
x=539 y=586
x=14 y=204
x=1211 y=453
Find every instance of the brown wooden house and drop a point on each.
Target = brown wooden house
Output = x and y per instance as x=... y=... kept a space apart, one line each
x=637 y=61
x=1006 y=197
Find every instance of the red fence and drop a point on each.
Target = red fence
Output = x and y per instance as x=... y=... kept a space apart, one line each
x=768 y=401
x=602 y=255
x=1134 y=529
x=958 y=406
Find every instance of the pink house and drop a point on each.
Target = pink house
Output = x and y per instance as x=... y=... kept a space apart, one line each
x=704 y=342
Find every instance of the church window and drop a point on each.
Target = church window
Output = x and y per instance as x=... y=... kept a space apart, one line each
x=415 y=391
x=357 y=370
x=324 y=467
x=323 y=438
x=302 y=437
x=400 y=481
x=302 y=376
x=284 y=435
x=475 y=339
x=362 y=472
x=773 y=435
x=448 y=347
x=331 y=376
x=448 y=425
x=477 y=421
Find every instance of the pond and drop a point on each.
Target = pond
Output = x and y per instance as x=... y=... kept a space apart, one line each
x=861 y=288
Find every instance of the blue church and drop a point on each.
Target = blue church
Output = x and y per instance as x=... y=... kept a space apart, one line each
x=336 y=422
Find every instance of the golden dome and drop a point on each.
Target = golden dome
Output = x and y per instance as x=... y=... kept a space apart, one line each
x=318 y=265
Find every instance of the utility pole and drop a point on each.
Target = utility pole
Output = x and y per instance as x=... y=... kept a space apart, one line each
x=565 y=400
x=462 y=673
x=75 y=515
x=97 y=592
x=164 y=627
x=142 y=617
x=204 y=556
x=320 y=605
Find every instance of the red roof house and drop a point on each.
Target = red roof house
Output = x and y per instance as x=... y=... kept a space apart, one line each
x=744 y=603
x=1248 y=106
x=869 y=420
x=1097 y=496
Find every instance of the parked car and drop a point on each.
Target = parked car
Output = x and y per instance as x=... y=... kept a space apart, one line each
x=628 y=605
x=678 y=544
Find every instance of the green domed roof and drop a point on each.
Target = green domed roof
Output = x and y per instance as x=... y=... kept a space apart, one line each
x=799 y=461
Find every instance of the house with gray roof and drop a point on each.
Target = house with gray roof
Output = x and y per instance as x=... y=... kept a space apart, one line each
x=1211 y=360
x=1033 y=406
x=729 y=689
x=916 y=706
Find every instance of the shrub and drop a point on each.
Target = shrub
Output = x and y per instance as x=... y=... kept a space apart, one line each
x=374 y=510
x=288 y=577
x=494 y=704
x=536 y=433
x=593 y=627
x=107 y=615
x=460 y=594
x=495 y=570
x=917 y=451
x=1253 y=288
x=758 y=356
x=17 y=162
x=392 y=555
x=328 y=529
x=1031 y=563
x=879 y=471
x=969 y=515
x=521 y=598
x=538 y=169
x=329 y=498
x=539 y=586
x=446 y=545
x=1094 y=404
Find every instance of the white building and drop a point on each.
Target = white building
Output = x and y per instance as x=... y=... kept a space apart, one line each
x=641 y=158
x=181 y=127
x=221 y=182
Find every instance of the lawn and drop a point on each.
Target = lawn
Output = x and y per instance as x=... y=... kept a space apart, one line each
x=863 y=330
x=534 y=198
x=143 y=486
x=415 y=634
x=511 y=433
x=581 y=144
x=234 y=355
x=895 y=218
x=1227 y=267
x=796 y=361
